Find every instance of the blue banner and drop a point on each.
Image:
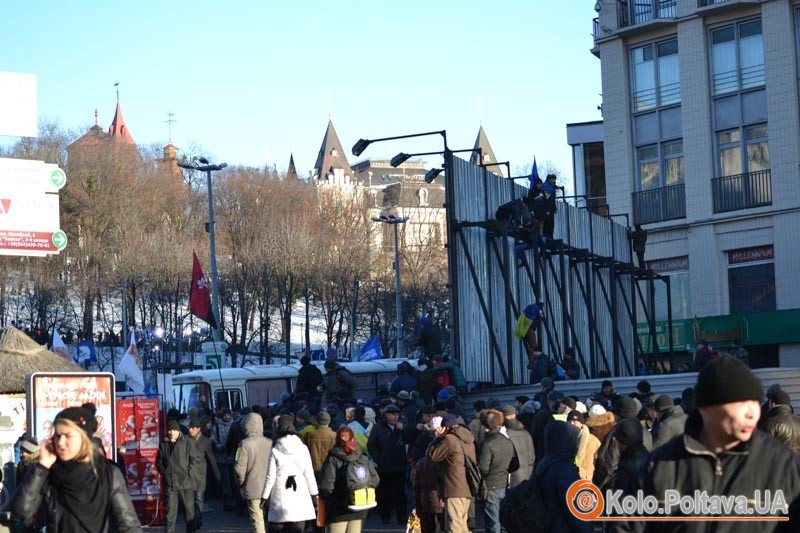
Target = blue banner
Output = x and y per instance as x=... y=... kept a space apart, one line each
x=371 y=349
x=85 y=352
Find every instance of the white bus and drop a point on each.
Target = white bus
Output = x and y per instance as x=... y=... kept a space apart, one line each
x=264 y=384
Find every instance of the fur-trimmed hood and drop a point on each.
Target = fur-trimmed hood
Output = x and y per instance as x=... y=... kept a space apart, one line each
x=601 y=425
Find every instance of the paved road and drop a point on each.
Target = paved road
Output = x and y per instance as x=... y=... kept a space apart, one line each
x=218 y=521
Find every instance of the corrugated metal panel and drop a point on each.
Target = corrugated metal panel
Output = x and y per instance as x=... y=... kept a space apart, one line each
x=477 y=195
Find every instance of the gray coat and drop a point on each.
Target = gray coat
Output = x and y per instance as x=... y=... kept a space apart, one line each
x=252 y=458
x=669 y=426
x=205 y=448
x=523 y=444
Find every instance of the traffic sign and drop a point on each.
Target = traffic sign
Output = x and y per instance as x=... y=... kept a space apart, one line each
x=26 y=174
x=59 y=240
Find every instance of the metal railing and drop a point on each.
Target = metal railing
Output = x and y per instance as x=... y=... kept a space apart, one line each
x=658 y=205
x=742 y=191
x=704 y=3
x=596 y=28
x=630 y=12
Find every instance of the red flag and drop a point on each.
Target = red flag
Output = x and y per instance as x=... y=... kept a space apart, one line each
x=199 y=295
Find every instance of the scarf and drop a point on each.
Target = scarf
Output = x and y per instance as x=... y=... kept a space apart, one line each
x=84 y=498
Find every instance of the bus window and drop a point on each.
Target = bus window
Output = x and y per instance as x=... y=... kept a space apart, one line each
x=386 y=378
x=265 y=391
x=190 y=395
x=365 y=387
x=222 y=398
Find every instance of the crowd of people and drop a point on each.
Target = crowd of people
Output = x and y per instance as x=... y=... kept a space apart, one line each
x=314 y=461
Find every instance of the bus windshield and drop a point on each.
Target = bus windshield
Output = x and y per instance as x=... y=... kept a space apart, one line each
x=188 y=395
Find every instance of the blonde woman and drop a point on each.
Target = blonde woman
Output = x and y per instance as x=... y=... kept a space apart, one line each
x=81 y=491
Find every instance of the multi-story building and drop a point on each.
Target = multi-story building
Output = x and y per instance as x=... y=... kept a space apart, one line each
x=701 y=141
x=400 y=190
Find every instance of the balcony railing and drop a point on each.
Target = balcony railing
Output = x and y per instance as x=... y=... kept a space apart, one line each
x=631 y=12
x=704 y=3
x=658 y=205
x=742 y=191
x=596 y=28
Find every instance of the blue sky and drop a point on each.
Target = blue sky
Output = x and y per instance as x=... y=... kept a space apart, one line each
x=251 y=80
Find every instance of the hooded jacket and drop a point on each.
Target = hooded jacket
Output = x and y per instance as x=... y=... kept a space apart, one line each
x=686 y=465
x=449 y=451
x=333 y=484
x=669 y=426
x=556 y=472
x=252 y=458
x=587 y=453
x=523 y=445
x=290 y=482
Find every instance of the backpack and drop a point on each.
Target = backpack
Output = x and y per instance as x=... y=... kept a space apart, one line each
x=347 y=384
x=524 y=508
x=475 y=481
x=361 y=493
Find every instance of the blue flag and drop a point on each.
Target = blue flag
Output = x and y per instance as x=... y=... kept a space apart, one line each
x=534 y=173
x=85 y=352
x=371 y=349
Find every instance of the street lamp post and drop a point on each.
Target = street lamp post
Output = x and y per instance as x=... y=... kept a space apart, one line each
x=208 y=168
x=396 y=221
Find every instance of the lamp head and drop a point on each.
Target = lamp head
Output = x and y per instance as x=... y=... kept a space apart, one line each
x=186 y=165
x=432 y=174
x=203 y=160
x=399 y=159
x=360 y=146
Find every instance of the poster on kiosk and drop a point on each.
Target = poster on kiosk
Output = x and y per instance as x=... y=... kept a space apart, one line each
x=138 y=437
x=50 y=392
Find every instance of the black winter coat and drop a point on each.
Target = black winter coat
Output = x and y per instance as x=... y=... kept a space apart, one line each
x=782 y=424
x=36 y=490
x=309 y=377
x=179 y=464
x=386 y=448
x=608 y=458
x=556 y=472
x=205 y=451
x=631 y=461
x=333 y=484
x=669 y=426
x=497 y=459
x=686 y=465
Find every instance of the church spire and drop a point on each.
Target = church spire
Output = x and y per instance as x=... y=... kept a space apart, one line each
x=482 y=142
x=291 y=173
x=118 y=130
x=331 y=156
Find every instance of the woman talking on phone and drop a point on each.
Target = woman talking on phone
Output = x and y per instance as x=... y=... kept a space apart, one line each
x=73 y=488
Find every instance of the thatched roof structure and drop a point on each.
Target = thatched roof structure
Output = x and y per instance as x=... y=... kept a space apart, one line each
x=20 y=355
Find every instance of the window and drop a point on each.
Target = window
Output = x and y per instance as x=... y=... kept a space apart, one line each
x=365 y=387
x=656 y=76
x=751 y=279
x=677 y=268
x=187 y=396
x=737 y=57
x=228 y=398
x=265 y=391
x=661 y=164
x=739 y=157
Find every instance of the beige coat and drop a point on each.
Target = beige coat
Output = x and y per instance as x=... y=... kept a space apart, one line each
x=252 y=458
x=587 y=453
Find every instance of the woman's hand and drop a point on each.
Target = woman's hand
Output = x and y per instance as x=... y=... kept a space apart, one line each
x=47 y=455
